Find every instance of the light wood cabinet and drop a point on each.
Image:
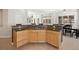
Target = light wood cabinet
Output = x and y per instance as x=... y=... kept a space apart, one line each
x=33 y=36
x=53 y=38
x=48 y=36
x=37 y=36
x=41 y=35
x=20 y=38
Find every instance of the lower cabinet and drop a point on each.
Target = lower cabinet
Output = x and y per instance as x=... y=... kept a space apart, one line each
x=30 y=36
x=41 y=35
x=20 y=38
x=53 y=38
x=48 y=36
x=37 y=36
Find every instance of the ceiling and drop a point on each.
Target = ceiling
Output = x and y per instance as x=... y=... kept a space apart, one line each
x=44 y=10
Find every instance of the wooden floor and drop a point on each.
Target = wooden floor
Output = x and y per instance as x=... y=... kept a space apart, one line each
x=5 y=45
x=69 y=43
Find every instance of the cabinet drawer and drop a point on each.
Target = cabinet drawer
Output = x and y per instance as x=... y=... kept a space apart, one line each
x=21 y=43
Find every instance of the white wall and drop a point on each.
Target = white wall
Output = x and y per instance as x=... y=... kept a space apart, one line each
x=17 y=16
x=4 y=31
x=77 y=22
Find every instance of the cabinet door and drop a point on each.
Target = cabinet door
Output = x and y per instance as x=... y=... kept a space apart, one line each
x=32 y=36
x=22 y=35
x=53 y=38
x=21 y=38
x=25 y=34
x=48 y=36
x=41 y=36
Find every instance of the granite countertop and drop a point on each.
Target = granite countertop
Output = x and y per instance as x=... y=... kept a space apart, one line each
x=36 y=27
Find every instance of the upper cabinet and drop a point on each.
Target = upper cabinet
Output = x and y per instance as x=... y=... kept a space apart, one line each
x=47 y=20
x=51 y=17
x=68 y=19
x=60 y=20
x=71 y=18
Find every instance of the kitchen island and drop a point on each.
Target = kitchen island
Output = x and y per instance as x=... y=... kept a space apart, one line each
x=25 y=34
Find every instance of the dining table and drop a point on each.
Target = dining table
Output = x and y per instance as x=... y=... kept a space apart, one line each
x=73 y=30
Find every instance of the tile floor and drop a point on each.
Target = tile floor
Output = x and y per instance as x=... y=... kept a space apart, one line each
x=70 y=43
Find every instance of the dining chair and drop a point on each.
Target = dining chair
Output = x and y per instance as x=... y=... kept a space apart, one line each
x=67 y=29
